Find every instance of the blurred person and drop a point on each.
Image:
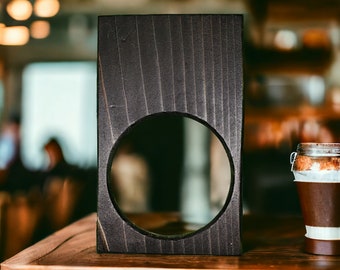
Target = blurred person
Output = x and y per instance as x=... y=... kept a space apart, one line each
x=9 y=144
x=14 y=176
x=20 y=186
x=61 y=187
x=130 y=180
x=56 y=163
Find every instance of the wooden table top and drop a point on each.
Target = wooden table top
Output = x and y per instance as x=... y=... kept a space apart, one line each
x=268 y=243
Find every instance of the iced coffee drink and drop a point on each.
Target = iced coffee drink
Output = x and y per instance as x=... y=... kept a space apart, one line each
x=316 y=169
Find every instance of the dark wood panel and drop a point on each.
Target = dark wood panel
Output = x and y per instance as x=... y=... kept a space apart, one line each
x=184 y=64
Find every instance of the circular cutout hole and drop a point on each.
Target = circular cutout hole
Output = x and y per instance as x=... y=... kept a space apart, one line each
x=173 y=169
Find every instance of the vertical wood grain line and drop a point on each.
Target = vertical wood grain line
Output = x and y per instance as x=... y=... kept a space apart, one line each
x=141 y=66
x=177 y=59
x=231 y=227
x=219 y=98
x=202 y=243
x=105 y=98
x=157 y=63
x=213 y=74
x=172 y=65
x=181 y=44
x=223 y=85
x=218 y=239
x=125 y=241
x=203 y=74
x=194 y=246
x=102 y=235
x=193 y=66
x=227 y=86
x=144 y=244
x=121 y=73
x=161 y=246
x=191 y=49
x=239 y=73
x=236 y=213
x=234 y=74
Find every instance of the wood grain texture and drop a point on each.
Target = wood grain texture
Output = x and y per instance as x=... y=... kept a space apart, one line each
x=269 y=243
x=186 y=64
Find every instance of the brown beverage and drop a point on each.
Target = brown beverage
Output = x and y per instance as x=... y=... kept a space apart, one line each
x=316 y=167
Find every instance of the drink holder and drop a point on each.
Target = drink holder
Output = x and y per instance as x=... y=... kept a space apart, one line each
x=186 y=64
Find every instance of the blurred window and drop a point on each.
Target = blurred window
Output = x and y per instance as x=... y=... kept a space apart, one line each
x=59 y=100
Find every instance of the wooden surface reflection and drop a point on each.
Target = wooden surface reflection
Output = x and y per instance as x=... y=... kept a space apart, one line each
x=269 y=243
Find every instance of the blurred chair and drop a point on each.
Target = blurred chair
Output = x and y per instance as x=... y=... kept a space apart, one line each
x=4 y=200
x=20 y=215
x=61 y=200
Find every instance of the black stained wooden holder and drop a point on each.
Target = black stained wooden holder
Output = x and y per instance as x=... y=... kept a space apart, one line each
x=187 y=64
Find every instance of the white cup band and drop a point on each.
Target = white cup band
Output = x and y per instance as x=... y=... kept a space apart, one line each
x=323 y=233
x=330 y=176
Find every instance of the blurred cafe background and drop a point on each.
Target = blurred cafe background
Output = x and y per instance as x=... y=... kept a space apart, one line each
x=48 y=135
